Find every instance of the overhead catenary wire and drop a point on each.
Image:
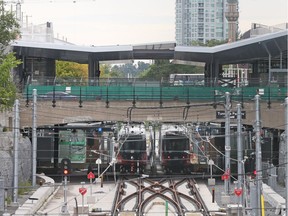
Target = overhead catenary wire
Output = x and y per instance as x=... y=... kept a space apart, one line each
x=69 y=108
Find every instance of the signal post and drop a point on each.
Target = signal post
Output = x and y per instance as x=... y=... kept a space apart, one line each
x=84 y=209
x=66 y=170
x=91 y=198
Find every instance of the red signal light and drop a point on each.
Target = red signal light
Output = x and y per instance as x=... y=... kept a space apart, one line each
x=255 y=172
x=65 y=166
x=65 y=172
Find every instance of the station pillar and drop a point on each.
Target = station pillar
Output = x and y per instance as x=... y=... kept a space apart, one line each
x=93 y=70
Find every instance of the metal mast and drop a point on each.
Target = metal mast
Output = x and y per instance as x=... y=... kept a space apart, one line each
x=16 y=150
x=227 y=142
x=34 y=138
x=258 y=156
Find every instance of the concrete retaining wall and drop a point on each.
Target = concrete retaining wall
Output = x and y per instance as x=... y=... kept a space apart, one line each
x=31 y=206
x=274 y=199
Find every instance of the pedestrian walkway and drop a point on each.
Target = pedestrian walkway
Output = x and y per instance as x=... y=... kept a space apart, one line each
x=94 y=198
x=272 y=198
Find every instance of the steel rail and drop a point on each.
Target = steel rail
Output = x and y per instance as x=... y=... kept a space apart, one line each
x=158 y=189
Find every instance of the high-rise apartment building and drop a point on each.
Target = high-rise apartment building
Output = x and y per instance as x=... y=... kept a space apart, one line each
x=201 y=20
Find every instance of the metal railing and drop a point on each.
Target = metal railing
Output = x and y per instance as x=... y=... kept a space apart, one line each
x=158 y=93
x=280 y=81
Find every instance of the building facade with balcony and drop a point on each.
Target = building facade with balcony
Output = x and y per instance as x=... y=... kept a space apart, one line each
x=201 y=20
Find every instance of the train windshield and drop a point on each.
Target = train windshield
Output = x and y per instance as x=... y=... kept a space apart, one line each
x=134 y=143
x=175 y=144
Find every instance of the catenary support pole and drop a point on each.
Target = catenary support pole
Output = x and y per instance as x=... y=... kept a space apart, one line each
x=16 y=144
x=227 y=142
x=64 y=209
x=240 y=152
x=286 y=138
x=34 y=138
x=2 y=194
x=258 y=156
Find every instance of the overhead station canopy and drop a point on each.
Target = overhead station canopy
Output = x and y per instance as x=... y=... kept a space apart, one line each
x=154 y=51
x=243 y=51
x=73 y=53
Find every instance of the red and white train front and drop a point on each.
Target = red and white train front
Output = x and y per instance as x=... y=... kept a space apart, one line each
x=175 y=149
x=131 y=150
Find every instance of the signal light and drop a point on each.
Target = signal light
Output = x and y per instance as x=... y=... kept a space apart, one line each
x=98 y=132
x=65 y=166
x=250 y=165
x=253 y=174
x=65 y=172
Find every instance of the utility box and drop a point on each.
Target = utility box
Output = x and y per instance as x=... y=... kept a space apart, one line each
x=211 y=181
x=81 y=210
x=234 y=210
x=225 y=199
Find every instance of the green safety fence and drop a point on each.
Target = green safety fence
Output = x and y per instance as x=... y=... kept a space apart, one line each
x=165 y=93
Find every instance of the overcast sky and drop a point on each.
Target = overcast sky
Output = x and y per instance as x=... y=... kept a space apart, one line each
x=110 y=22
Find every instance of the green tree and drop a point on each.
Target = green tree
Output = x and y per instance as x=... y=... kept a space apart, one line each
x=9 y=31
x=129 y=69
x=7 y=87
x=142 y=66
x=106 y=71
x=9 y=28
x=209 y=43
x=71 y=70
x=124 y=69
x=163 y=68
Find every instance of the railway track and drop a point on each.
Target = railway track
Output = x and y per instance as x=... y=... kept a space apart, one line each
x=153 y=196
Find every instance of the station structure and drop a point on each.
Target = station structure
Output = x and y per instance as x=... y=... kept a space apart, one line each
x=266 y=55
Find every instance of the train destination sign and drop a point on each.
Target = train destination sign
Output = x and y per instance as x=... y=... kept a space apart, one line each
x=233 y=114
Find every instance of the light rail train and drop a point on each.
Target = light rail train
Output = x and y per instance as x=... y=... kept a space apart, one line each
x=145 y=147
x=133 y=148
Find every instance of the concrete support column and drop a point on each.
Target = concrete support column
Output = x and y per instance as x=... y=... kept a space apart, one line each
x=217 y=68
x=93 y=70
x=51 y=69
x=213 y=71
x=254 y=76
x=208 y=74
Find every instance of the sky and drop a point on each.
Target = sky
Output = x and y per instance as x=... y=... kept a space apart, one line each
x=123 y=22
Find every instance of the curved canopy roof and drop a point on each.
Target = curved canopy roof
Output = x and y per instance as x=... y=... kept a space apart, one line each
x=242 y=51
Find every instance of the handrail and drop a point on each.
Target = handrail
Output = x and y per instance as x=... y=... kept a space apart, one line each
x=163 y=93
x=214 y=82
